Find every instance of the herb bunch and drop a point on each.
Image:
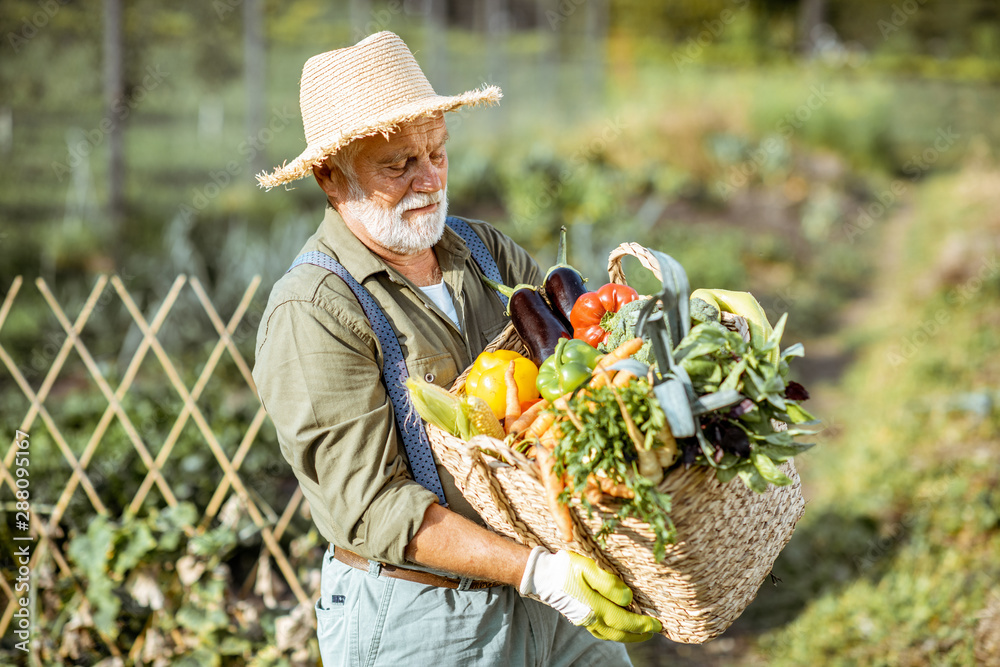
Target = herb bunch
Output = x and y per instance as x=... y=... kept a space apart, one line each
x=740 y=439
x=596 y=442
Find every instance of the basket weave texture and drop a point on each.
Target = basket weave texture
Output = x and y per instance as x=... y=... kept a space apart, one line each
x=728 y=537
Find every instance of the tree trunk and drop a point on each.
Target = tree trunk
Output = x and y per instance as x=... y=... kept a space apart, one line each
x=255 y=71
x=496 y=23
x=546 y=82
x=114 y=92
x=436 y=37
x=360 y=18
x=812 y=13
x=597 y=29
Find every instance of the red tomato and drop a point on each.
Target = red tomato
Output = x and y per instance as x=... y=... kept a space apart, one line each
x=593 y=311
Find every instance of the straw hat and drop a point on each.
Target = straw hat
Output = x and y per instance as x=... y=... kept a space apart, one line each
x=359 y=91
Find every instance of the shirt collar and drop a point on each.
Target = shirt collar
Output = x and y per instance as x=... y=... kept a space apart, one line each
x=361 y=262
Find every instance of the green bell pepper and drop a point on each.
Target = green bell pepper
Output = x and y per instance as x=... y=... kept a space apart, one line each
x=570 y=366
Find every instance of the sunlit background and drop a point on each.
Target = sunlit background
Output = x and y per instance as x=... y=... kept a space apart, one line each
x=838 y=158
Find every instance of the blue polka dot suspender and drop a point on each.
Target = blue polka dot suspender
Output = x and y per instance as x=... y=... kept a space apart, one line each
x=394 y=371
x=484 y=260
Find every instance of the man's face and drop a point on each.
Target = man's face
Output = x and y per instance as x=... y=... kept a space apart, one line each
x=400 y=197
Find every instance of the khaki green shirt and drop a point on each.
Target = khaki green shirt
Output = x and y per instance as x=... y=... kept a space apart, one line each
x=318 y=374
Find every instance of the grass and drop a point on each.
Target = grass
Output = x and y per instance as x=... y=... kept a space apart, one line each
x=905 y=489
x=894 y=562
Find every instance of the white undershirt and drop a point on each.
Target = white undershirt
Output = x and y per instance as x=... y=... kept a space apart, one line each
x=441 y=297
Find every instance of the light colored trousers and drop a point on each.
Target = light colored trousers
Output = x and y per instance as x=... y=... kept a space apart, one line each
x=366 y=619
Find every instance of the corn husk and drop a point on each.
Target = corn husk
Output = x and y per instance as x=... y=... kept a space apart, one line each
x=437 y=406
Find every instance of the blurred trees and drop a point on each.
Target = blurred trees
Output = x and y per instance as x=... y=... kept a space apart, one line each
x=812 y=14
x=951 y=27
x=114 y=93
x=255 y=73
x=556 y=54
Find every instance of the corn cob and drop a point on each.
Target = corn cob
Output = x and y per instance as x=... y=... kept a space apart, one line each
x=436 y=406
x=481 y=416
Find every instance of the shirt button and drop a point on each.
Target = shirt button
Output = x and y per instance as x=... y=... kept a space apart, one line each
x=429 y=377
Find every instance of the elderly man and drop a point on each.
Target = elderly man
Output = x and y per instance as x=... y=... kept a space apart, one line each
x=390 y=286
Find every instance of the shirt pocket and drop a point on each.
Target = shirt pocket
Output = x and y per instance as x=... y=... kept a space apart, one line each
x=491 y=331
x=439 y=369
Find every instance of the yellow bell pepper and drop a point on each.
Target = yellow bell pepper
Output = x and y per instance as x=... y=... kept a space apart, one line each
x=486 y=379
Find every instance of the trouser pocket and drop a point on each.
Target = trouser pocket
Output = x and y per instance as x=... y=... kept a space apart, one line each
x=332 y=629
x=351 y=614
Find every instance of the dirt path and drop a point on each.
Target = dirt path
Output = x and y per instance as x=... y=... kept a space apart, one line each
x=828 y=357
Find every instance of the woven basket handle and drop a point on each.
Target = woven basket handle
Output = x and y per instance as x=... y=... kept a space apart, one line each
x=664 y=321
x=615 y=272
x=617 y=275
x=675 y=295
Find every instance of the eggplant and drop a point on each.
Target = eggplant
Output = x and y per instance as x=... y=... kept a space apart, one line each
x=537 y=325
x=563 y=284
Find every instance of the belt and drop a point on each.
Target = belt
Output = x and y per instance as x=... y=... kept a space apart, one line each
x=427 y=578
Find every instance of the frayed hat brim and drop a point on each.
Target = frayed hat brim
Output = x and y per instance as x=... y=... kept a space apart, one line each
x=316 y=153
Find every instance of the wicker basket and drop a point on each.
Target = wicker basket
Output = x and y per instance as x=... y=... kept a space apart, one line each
x=728 y=536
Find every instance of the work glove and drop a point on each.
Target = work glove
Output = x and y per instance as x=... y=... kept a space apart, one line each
x=581 y=591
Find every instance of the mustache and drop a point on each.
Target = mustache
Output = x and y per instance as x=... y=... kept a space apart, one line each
x=420 y=200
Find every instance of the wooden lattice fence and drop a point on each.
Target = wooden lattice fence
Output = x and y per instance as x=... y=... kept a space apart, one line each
x=44 y=531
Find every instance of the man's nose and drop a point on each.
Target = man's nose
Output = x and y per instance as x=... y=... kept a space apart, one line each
x=428 y=178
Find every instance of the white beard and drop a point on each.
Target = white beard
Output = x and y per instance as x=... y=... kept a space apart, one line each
x=387 y=228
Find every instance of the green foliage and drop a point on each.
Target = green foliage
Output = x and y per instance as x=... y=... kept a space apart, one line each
x=746 y=444
x=895 y=559
x=604 y=447
x=158 y=575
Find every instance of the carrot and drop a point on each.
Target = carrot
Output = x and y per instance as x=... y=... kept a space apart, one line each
x=649 y=464
x=528 y=418
x=527 y=404
x=622 y=378
x=667 y=452
x=601 y=377
x=513 y=404
x=540 y=426
x=562 y=403
x=614 y=490
x=553 y=484
x=592 y=492
x=623 y=351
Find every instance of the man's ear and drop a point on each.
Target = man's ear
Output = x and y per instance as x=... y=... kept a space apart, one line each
x=331 y=180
